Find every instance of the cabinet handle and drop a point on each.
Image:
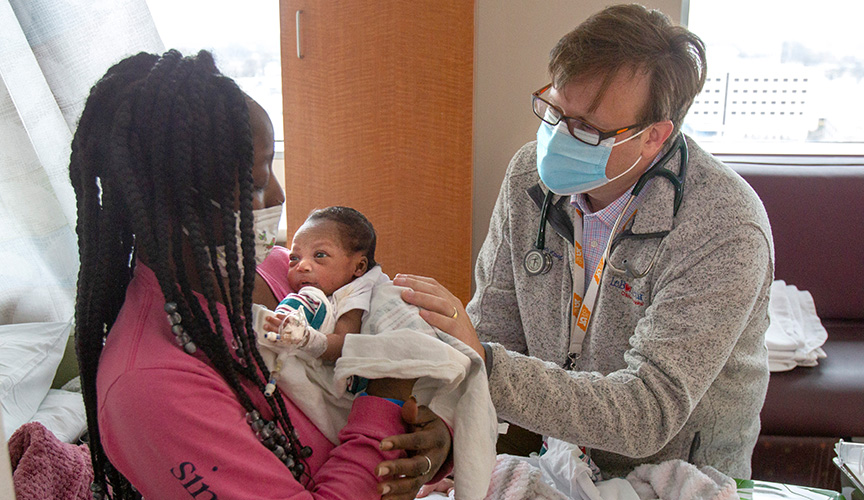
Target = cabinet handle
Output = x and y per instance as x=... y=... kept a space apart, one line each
x=299 y=52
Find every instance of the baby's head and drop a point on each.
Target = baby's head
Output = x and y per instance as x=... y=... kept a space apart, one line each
x=332 y=247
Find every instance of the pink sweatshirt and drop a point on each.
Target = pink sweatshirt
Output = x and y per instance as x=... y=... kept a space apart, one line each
x=175 y=429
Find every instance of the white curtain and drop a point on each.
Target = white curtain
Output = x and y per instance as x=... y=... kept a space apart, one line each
x=51 y=53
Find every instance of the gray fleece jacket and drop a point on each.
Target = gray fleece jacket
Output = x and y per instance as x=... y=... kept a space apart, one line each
x=674 y=364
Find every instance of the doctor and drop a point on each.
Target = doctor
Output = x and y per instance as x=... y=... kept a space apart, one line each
x=656 y=352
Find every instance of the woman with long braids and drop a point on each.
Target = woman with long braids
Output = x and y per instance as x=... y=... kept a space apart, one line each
x=171 y=165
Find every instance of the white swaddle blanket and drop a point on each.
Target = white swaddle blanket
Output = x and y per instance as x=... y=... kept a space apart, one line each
x=396 y=342
x=795 y=334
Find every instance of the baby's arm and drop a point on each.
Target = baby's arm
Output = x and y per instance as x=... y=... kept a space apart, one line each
x=279 y=330
x=292 y=331
x=348 y=322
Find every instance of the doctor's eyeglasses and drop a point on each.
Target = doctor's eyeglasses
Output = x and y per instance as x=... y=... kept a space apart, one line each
x=579 y=129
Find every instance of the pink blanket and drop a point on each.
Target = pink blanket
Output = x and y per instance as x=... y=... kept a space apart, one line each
x=45 y=467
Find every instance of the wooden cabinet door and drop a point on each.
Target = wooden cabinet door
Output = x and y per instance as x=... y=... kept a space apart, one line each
x=378 y=117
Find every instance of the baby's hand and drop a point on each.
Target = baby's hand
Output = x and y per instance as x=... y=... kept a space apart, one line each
x=293 y=327
x=287 y=329
x=271 y=326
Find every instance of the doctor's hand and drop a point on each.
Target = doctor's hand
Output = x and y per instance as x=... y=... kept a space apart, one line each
x=428 y=446
x=440 y=308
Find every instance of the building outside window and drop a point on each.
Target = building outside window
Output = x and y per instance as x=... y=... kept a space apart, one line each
x=784 y=76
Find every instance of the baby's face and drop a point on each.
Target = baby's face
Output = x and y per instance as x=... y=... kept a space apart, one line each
x=318 y=258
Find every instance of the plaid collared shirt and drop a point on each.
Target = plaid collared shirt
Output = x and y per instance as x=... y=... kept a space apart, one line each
x=597 y=227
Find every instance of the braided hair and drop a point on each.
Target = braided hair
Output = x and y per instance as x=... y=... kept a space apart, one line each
x=155 y=132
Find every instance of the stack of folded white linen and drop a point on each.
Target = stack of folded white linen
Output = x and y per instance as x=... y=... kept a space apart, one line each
x=795 y=335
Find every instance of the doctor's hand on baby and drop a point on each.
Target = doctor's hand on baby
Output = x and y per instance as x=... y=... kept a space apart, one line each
x=440 y=308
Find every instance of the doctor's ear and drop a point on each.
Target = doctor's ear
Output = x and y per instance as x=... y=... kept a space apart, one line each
x=657 y=134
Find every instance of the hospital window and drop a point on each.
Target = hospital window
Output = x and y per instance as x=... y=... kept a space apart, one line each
x=784 y=76
x=244 y=40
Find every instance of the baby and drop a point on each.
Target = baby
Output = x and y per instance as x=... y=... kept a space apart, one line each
x=341 y=290
x=332 y=266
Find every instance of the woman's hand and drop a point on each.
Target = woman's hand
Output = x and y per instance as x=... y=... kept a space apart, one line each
x=428 y=446
x=439 y=308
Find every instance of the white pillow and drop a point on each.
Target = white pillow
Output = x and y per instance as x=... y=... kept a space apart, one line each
x=62 y=413
x=29 y=356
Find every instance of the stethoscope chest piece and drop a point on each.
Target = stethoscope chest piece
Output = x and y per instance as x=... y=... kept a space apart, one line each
x=537 y=262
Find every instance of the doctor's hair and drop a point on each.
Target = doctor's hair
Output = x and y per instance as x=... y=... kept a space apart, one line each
x=355 y=230
x=632 y=38
x=154 y=134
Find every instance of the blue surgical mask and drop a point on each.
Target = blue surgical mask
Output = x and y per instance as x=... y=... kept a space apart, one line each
x=569 y=166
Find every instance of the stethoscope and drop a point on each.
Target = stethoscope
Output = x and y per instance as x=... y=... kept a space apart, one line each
x=538 y=260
